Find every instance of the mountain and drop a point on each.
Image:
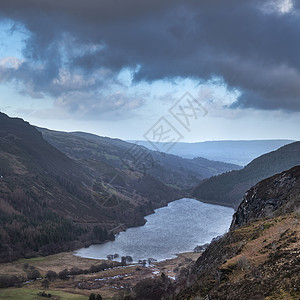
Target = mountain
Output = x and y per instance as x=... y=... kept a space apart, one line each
x=50 y=202
x=257 y=259
x=229 y=188
x=172 y=170
x=81 y=189
x=236 y=152
x=272 y=197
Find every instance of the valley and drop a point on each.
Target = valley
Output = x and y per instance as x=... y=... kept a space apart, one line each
x=61 y=192
x=149 y=150
x=112 y=282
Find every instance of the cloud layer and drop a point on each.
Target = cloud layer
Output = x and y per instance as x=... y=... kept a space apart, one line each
x=79 y=47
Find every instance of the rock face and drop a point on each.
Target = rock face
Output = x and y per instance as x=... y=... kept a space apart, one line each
x=265 y=198
x=259 y=257
x=200 y=248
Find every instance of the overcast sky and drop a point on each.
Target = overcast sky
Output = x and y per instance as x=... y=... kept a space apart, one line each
x=116 y=67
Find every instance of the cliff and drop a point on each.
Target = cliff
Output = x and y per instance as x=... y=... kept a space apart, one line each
x=259 y=258
x=274 y=196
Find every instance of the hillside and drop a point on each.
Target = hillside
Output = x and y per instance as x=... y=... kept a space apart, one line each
x=51 y=203
x=169 y=169
x=236 y=152
x=229 y=188
x=257 y=259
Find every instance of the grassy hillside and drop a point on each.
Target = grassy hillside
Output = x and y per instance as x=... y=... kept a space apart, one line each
x=51 y=203
x=257 y=259
x=169 y=169
x=29 y=294
x=229 y=188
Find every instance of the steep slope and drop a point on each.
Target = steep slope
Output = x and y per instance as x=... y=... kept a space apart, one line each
x=50 y=203
x=259 y=258
x=274 y=196
x=170 y=169
x=229 y=188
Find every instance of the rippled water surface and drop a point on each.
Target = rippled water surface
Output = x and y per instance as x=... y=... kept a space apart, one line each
x=177 y=228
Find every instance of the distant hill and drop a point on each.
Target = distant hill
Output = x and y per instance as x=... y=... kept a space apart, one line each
x=172 y=170
x=76 y=188
x=229 y=188
x=236 y=152
x=50 y=202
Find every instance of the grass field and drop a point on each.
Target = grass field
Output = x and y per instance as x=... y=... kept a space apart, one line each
x=56 y=262
x=112 y=281
x=31 y=294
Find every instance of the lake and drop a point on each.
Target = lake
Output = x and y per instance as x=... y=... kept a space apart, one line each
x=176 y=228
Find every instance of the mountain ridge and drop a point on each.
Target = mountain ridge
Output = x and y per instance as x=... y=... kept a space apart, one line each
x=240 y=152
x=56 y=204
x=167 y=168
x=229 y=188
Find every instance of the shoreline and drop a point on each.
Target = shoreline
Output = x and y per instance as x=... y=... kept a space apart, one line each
x=100 y=253
x=108 y=282
x=215 y=203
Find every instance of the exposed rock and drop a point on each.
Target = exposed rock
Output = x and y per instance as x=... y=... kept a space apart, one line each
x=265 y=198
x=259 y=257
x=200 y=248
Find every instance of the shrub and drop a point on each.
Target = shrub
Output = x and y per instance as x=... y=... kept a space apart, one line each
x=51 y=275
x=45 y=283
x=43 y=294
x=75 y=271
x=92 y=296
x=98 y=268
x=63 y=274
x=9 y=281
x=243 y=263
x=297 y=212
x=150 y=289
x=33 y=274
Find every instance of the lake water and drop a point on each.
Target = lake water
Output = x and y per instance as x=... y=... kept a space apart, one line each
x=177 y=228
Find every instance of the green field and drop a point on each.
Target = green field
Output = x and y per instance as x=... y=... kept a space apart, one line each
x=29 y=260
x=31 y=294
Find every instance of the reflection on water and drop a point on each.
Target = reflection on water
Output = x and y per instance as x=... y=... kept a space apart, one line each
x=177 y=228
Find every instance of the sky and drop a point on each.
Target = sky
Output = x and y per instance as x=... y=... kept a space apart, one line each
x=200 y=70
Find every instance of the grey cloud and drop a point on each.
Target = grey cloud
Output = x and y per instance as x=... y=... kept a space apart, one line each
x=91 y=105
x=253 y=50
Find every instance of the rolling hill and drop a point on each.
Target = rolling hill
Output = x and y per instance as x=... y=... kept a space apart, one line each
x=229 y=188
x=236 y=152
x=51 y=203
x=172 y=170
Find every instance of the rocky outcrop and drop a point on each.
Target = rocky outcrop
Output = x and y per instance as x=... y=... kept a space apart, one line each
x=259 y=257
x=264 y=199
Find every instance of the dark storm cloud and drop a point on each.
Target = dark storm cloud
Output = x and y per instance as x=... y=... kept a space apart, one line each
x=249 y=44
